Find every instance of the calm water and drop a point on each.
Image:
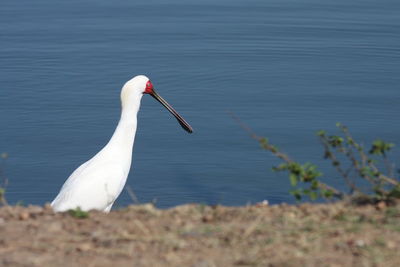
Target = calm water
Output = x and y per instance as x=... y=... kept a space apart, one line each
x=286 y=68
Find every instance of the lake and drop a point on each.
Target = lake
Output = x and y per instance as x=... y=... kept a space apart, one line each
x=286 y=68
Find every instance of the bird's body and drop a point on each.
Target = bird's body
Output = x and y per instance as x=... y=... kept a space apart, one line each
x=97 y=183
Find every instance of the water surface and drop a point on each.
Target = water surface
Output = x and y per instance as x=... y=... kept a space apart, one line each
x=286 y=68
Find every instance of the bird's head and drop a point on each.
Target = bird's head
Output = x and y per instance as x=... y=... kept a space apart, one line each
x=136 y=86
x=139 y=85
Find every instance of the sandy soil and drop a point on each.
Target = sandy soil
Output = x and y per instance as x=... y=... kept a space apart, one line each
x=197 y=235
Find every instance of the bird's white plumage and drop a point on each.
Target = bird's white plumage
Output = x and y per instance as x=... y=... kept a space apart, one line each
x=97 y=183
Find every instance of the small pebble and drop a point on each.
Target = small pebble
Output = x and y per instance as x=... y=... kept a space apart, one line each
x=391 y=245
x=24 y=216
x=381 y=205
x=360 y=243
x=262 y=203
x=207 y=218
x=84 y=247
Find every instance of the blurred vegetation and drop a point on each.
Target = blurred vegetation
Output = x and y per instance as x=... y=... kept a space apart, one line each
x=369 y=175
x=78 y=213
x=3 y=180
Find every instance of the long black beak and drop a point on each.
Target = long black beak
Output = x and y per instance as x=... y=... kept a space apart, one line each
x=181 y=121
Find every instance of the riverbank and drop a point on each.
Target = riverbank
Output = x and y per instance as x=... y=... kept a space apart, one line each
x=196 y=235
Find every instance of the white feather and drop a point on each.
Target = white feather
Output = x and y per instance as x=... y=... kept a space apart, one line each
x=97 y=183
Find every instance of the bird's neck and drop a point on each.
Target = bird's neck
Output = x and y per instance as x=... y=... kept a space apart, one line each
x=124 y=136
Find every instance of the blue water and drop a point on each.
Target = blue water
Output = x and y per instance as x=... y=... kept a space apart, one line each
x=286 y=68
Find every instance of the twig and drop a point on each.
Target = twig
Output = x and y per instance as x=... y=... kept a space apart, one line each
x=131 y=194
x=336 y=164
x=261 y=140
x=264 y=143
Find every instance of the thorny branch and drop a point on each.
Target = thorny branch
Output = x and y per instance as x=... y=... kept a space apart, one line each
x=363 y=166
x=267 y=146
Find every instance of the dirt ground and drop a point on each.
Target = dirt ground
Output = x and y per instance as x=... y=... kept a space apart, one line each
x=200 y=236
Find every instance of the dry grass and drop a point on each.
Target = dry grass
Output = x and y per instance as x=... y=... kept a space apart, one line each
x=197 y=235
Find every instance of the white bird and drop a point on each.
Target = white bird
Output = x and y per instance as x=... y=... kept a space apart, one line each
x=97 y=183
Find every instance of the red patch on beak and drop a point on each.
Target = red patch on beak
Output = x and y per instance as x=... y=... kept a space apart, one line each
x=149 y=88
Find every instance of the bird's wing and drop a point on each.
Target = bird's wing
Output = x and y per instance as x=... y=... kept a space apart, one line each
x=91 y=186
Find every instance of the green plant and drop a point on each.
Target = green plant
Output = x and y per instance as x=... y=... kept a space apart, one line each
x=78 y=213
x=304 y=178
x=352 y=161
x=355 y=164
x=371 y=166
